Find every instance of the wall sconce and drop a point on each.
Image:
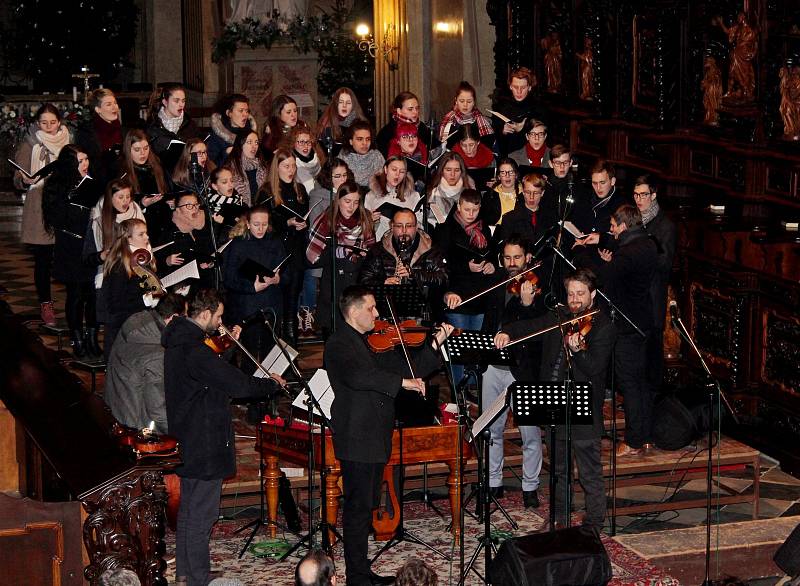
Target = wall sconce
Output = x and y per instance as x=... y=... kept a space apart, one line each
x=388 y=48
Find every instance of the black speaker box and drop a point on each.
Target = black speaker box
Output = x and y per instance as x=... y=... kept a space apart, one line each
x=568 y=557
x=787 y=558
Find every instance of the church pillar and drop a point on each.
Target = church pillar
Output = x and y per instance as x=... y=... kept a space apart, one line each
x=390 y=19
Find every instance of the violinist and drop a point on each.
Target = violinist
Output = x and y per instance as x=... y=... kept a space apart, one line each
x=122 y=292
x=405 y=254
x=362 y=418
x=198 y=387
x=589 y=354
x=506 y=305
x=134 y=387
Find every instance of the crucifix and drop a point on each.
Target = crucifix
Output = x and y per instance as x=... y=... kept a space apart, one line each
x=85 y=76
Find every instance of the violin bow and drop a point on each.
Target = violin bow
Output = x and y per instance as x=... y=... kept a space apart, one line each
x=500 y=284
x=247 y=353
x=400 y=333
x=550 y=328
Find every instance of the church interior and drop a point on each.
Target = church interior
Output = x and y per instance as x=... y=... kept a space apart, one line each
x=701 y=99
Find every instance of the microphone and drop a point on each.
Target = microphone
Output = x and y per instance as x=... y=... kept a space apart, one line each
x=673 y=312
x=573 y=170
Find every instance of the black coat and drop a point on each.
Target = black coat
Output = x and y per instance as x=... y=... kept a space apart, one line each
x=69 y=214
x=198 y=386
x=104 y=165
x=591 y=214
x=242 y=301
x=294 y=241
x=664 y=234
x=362 y=413
x=503 y=309
x=589 y=365
x=196 y=245
x=160 y=138
x=425 y=260
x=451 y=237
x=628 y=277
x=122 y=296
x=516 y=111
x=520 y=221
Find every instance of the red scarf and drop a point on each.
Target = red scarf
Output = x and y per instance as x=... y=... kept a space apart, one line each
x=535 y=156
x=108 y=133
x=475 y=232
x=483 y=157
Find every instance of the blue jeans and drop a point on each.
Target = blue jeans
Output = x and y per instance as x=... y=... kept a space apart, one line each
x=308 y=296
x=465 y=321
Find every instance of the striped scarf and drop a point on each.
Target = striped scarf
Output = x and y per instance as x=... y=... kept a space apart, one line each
x=348 y=232
x=475 y=232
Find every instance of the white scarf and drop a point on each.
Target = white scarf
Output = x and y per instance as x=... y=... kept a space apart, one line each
x=307 y=172
x=47 y=149
x=443 y=198
x=171 y=124
x=134 y=211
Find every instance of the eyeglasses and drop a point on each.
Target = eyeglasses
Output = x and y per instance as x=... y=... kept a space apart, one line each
x=304 y=142
x=189 y=206
x=534 y=193
x=507 y=173
x=408 y=136
x=537 y=134
x=642 y=194
x=561 y=163
x=200 y=153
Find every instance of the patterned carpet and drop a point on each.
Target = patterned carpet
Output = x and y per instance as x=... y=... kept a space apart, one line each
x=629 y=568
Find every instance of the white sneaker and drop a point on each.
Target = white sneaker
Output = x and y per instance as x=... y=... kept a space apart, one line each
x=305 y=319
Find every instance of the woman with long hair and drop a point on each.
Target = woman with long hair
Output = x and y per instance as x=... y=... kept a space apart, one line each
x=283 y=118
x=168 y=122
x=100 y=137
x=446 y=186
x=469 y=147
x=249 y=293
x=224 y=202
x=142 y=167
x=343 y=110
x=231 y=118
x=465 y=112
x=42 y=145
x=250 y=172
x=307 y=154
x=405 y=108
x=182 y=175
x=360 y=154
x=354 y=234
x=122 y=292
x=67 y=200
x=289 y=205
x=392 y=186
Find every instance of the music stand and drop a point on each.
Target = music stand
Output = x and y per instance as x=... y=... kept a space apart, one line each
x=481 y=428
x=406 y=298
x=546 y=404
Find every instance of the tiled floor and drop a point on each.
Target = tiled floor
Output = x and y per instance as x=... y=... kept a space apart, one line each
x=780 y=492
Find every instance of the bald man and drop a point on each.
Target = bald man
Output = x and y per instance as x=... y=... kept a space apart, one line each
x=315 y=569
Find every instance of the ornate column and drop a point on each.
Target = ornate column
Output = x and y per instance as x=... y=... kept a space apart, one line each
x=390 y=18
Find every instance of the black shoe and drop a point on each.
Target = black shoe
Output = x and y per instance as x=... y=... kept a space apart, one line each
x=531 y=499
x=377 y=580
x=78 y=344
x=93 y=344
x=496 y=491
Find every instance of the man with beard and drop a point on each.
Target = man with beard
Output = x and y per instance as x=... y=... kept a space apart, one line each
x=589 y=356
x=403 y=255
x=199 y=388
x=502 y=308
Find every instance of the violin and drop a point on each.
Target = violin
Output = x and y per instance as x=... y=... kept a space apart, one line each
x=515 y=287
x=142 y=258
x=582 y=327
x=219 y=343
x=386 y=336
x=145 y=442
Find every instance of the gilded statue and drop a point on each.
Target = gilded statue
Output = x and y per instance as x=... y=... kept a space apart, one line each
x=743 y=39
x=552 y=61
x=790 y=101
x=712 y=91
x=587 y=70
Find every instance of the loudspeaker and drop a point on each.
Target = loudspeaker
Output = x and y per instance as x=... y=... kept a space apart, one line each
x=682 y=418
x=787 y=558
x=568 y=557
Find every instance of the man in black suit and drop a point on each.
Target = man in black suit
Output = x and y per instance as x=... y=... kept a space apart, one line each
x=589 y=356
x=362 y=418
x=664 y=234
x=503 y=307
x=626 y=276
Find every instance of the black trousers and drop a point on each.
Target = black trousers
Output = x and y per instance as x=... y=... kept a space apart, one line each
x=291 y=285
x=586 y=454
x=362 y=491
x=655 y=360
x=42 y=269
x=197 y=513
x=80 y=305
x=630 y=357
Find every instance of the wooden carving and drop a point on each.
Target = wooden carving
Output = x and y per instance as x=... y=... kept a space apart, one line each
x=790 y=101
x=743 y=40
x=552 y=61
x=587 y=69
x=712 y=91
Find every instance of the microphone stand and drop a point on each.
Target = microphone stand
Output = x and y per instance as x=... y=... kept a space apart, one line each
x=332 y=240
x=714 y=392
x=201 y=187
x=426 y=204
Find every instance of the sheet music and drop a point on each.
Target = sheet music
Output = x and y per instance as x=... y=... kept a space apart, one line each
x=23 y=171
x=189 y=271
x=275 y=361
x=174 y=141
x=499 y=115
x=224 y=246
x=572 y=229
x=321 y=389
x=489 y=415
x=163 y=246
